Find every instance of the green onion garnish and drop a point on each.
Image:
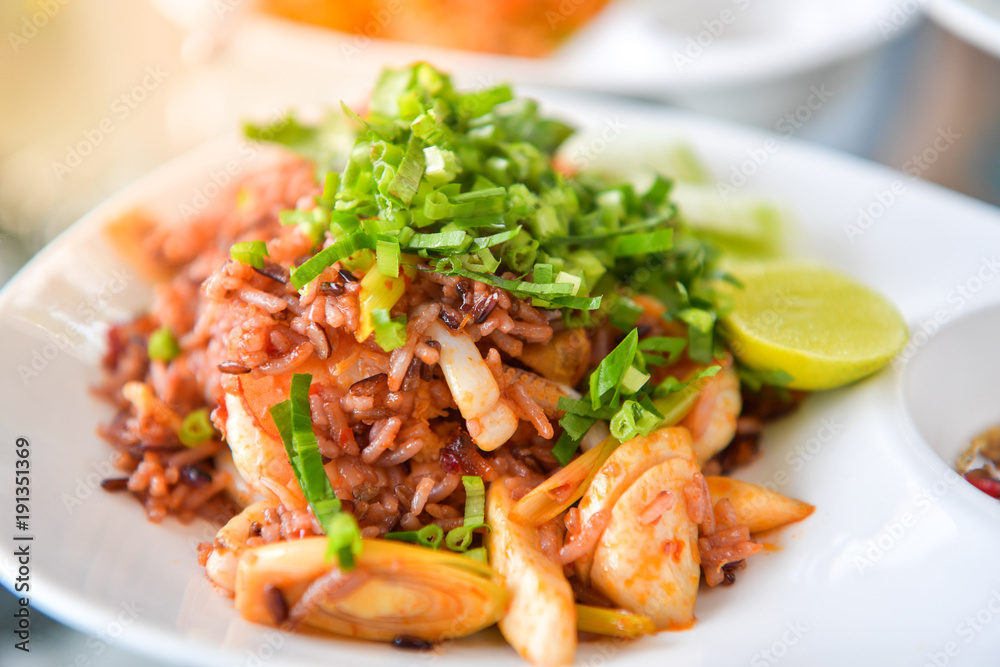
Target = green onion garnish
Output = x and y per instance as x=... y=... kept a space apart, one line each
x=196 y=428
x=389 y=333
x=294 y=422
x=467 y=182
x=387 y=258
x=162 y=345
x=430 y=536
x=249 y=252
x=460 y=539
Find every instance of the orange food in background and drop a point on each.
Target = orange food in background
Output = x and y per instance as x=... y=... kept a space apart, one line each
x=513 y=27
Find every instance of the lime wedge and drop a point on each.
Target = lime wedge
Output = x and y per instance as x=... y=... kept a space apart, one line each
x=816 y=324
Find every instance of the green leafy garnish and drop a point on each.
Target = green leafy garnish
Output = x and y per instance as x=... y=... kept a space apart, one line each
x=162 y=345
x=466 y=182
x=293 y=420
x=460 y=539
x=196 y=428
x=389 y=333
x=249 y=252
x=620 y=392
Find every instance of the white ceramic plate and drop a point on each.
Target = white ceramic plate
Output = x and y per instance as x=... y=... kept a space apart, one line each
x=897 y=565
x=975 y=21
x=645 y=48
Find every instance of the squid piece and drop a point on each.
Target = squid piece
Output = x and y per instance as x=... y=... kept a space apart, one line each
x=490 y=419
x=395 y=589
x=757 y=507
x=260 y=459
x=230 y=543
x=541 y=621
x=628 y=462
x=712 y=420
x=647 y=558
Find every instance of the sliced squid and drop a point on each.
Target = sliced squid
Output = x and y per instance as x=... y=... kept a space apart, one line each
x=712 y=420
x=647 y=558
x=260 y=458
x=628 y=462
x=490 y=419
x=231 y=542
x=541 y=621
x=757 y=507
x=395 y=589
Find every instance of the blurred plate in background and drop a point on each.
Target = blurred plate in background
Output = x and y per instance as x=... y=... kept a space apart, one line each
x=975 y=21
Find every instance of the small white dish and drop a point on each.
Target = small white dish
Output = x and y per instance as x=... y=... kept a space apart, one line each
x=898 y=555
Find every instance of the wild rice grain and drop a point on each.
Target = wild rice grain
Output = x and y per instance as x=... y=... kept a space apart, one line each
x=370 y=385
x=115 y=484
x=332 y=289
x=484 y=307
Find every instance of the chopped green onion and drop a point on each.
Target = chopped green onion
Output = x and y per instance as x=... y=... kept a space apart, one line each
x=389 y=333
x=700 y=323
x=407 y=179
x=162 y=345
x=478 y=554
x=441 y=165
x=387 y=258
x=661 y=240
x=196 y=428
x=343 y=539
x=249 y=252
x=475 y=499
x=310 y=269
x=612 y=368
x=754 y=379
x=450 y=242
x=566 y=446
x=672 y=346
x=293 y=420
x=633 y=380
x=468 y=182
x=632 y=420
x=430 y=535
x=459 y=539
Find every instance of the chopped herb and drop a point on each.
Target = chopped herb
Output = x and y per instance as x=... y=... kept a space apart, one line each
x=162 y=345
x=293 y=419
x=196 y=428
x=389 y=333
x=249 y=252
